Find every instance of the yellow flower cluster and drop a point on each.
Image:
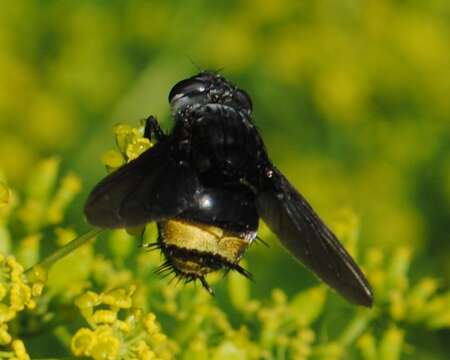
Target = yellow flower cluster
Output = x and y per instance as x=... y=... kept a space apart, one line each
x=16 y=295
x=286 y=328
x=130 y=143
x=118 y=330
x=389 y=346
x=4 y=194
x=422 y=302
x=47 y=197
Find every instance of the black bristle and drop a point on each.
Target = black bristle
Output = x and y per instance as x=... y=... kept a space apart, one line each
x=164 y=267
x=179 y=279
x=151 y=246
x=141 y=235
x=168 y=273
x=175 y=276
x=260 y=240
x=242 y=271
x=206 y=285
x=226 y=271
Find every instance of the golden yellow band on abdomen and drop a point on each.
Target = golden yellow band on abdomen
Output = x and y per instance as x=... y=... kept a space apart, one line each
x=204 y=238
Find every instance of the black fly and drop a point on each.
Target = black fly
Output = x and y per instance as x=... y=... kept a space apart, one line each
x=207 y=183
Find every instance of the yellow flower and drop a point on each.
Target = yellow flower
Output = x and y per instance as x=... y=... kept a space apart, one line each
x=15 y=268
x=149 y=323
x=36 y=289
x=102 y=343
x=3 y=291
x=38 y=275
x=87 y=300
x=70 y=186
x=6 y=313
x=118 y=298
x=128 y=334
x=15 y=283
x=19 y=350
x=112 y=160
x=106 y=345
x=20 y=296
x=82 y=342
x=104 y=317
x=4 y=194
x=143 y=351
x=131 y=144
x=5 y=337
x=137 y=147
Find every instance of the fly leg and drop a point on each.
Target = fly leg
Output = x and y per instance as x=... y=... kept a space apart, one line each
x=153 y=130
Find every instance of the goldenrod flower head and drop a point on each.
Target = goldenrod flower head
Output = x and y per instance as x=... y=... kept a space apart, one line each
x=131 y=144
x=3 y=291
x=5 y=194
x=70 y=186
x=302 y=345
x=14 y=283
x=279 y=297
x=82 y=342
x=19 y=350
x=38 y=274
x=6 y=313
x=123 y=133
x=367 y=345
x=391 y=343
x=128 y=335
x=64 y=235
x=87 y=300
x=137 y=147
x=143 y=351
x=104 y=317
x=17 y=293
x=20 y=296
x=106 y=345
x=149 y=323
x=5 y=337
x=40 y=187
x=112 y=159
x=119 y=298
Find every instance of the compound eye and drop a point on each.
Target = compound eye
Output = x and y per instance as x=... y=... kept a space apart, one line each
x=191 y=86
x=241 y=97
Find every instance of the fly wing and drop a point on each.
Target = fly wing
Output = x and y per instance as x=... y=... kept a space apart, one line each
x=150 y=188
x=309 y=240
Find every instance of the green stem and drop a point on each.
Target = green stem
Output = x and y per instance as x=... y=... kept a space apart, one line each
x=67 y=249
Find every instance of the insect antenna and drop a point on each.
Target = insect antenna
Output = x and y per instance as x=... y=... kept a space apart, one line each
x=218 y=70
x=199 y=69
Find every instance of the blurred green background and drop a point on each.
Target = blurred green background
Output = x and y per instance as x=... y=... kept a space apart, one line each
x=351 y=97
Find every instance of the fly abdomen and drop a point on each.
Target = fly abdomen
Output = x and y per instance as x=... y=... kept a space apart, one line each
x=211 y=235
x=194 y=249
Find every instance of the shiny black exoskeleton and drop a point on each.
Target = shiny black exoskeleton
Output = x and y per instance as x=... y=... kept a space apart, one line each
x=208 y=182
